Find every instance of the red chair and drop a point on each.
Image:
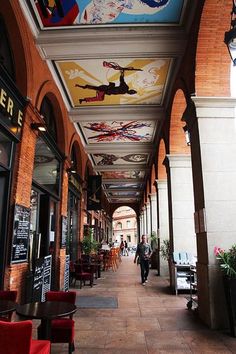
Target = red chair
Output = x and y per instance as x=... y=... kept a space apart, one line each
x=62 y=329
x=16 y=338
x=10 y=295
x=83 y=275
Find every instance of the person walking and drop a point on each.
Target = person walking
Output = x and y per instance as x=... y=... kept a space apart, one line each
x=144 y=252
x=122 y=246
x=126 y=252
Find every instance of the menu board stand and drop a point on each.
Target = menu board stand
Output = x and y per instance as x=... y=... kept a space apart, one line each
x=42 y=278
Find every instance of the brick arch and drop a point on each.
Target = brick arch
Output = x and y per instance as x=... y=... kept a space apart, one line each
x=177 y=137
x=113 y=207
x=153 y=179
x=80 y=161
x=123 y=205
x=161 y=173
x=14 y=20
x=49 y=90
x=212 y=57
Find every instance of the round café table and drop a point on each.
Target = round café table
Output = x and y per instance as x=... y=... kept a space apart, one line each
x=46 y=312
x=6 y=307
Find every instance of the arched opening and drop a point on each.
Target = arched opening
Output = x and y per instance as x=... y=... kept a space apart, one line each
x=124 y=227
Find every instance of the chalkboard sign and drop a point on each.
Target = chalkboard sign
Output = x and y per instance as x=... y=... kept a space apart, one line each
x=64 y=230
x=38 y=279
x=21 y=230
x=67 y=273
x=47 y=272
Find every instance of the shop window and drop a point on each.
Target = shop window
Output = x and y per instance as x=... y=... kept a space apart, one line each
x=46 y=167
x=47 y=112
x=5 y=150
x=6 y=58
x=128 y=238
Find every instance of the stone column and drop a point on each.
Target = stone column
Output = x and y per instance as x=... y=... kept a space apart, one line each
x=184 y=238
x=148 y=231
x=144 y=219
x=217 y=217
x=153 y=201
x=163 y=221
x=141 y=223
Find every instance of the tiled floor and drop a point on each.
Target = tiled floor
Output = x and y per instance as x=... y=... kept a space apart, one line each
x=148 y=320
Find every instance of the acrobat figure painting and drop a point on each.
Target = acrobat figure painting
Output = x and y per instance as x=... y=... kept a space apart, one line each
x=118 y=81
x=111 y=88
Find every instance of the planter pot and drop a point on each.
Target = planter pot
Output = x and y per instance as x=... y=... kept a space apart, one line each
x=230 y=295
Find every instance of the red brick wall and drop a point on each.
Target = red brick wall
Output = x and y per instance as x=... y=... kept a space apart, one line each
x=213 y=60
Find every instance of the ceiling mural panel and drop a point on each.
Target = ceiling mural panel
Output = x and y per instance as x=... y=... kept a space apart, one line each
x=118 y=131
x=122 y=174
x=128 y=194
x=117 y=159
x=130 y=81
x=123 y=186
x=61 y=13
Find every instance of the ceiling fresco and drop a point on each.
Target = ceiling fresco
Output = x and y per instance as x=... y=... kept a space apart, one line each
x=68 y=13
x=122 y=174
x=125 y=159
x=115 y=63
x=118 y=131
x=129 y=81
x=123 y=186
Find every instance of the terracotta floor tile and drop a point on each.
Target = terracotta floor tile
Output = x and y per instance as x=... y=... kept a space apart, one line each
x=148 y=320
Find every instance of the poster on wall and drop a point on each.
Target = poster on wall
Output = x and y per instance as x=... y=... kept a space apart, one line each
x=21 y=232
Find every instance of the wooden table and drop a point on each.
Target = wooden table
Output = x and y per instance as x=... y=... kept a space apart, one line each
x=46 y=311
x=7 y=306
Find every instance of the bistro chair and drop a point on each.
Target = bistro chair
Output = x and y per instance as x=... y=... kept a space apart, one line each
x=10 y=295
x=83 y=275
x=62 y=329
x=16 y=338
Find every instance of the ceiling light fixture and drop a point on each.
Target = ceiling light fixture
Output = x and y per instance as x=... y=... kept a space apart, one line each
x=38 y=126
x=230 y=36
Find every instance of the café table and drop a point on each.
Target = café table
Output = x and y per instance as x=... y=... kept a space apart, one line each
x=46 y=312
x=6 y=307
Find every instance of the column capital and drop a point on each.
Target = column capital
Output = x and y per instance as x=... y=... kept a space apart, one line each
x=179 y=160
x=161 y=183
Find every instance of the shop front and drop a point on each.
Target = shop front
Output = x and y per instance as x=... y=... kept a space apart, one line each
x=12 y=106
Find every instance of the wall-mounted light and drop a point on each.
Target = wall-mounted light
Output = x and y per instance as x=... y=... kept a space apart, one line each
x=230 y=36
x=39 y=126
x=187 y=135
x=71 y=170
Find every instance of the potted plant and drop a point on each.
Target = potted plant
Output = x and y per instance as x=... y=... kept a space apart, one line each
x=89 y=245
x=227 y=261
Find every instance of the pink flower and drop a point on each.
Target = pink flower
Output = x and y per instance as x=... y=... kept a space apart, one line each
x=217 y=250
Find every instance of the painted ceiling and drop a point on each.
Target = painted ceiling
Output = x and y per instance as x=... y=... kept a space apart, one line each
x=115 y=62
x=67 y=13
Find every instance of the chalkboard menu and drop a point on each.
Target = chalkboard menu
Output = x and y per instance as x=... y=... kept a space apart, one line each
x=64 y=230
x=42 y=278
x=38 y=279
x=47 y=272
x=67 y=273
x=21 y=230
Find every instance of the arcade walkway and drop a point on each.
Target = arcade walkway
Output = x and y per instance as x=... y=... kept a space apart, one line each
x=148 y=320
